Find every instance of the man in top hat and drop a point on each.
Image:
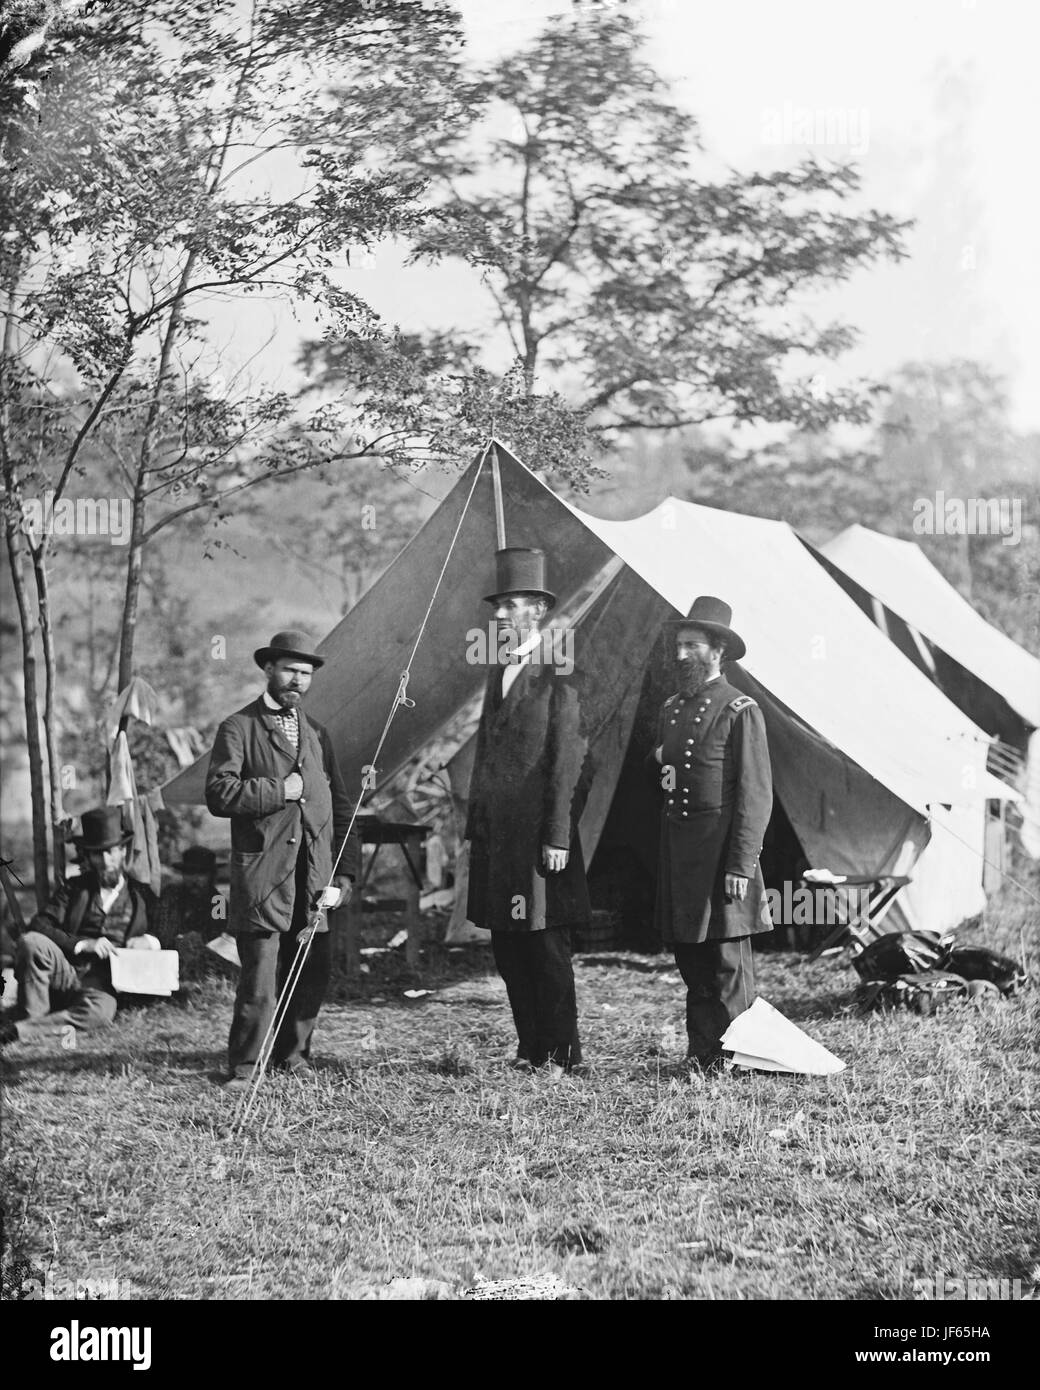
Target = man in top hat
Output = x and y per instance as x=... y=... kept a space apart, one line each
x=62 y=959
x=528 y=787
x=274 y=774
x=718 y=796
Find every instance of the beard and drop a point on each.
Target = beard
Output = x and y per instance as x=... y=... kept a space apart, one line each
x=692 y=674
x=108 y=878
x=288 y=699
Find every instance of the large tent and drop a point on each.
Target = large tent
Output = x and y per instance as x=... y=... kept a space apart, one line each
x=980 y=669
x=875 y=771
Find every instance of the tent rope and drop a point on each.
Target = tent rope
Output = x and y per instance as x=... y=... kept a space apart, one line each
x=401 y=700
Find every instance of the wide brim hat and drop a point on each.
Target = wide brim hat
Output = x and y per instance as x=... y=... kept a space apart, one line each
x=102 y=829
x=291 y=643
x=520 y=570
x=713 y=616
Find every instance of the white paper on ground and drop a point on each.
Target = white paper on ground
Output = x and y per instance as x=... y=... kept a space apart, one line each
x=226 y=947
x=145 y=972
x=742 y=1059
x=770 y=1042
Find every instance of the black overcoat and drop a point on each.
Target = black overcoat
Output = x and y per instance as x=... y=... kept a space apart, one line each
x=250 y=761
x=530 y=779
x=717 y=796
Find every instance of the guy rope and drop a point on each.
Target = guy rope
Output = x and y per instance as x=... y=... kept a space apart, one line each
x=401 y=699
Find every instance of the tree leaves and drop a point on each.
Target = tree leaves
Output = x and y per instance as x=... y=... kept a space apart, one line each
x=651 y=294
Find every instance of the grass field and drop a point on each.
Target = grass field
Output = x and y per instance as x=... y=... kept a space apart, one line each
x=415 y=1155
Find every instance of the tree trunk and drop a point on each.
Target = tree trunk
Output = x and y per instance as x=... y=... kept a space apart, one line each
x=50 y=730
x=135 y=559
x=128 y=628
x=28 y=625
x=16 y=548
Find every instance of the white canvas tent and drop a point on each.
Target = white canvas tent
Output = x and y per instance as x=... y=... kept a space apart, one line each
x=876 y=770
x=988 y=676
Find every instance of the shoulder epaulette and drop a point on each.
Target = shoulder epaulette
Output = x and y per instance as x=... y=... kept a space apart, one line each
x=743 y=702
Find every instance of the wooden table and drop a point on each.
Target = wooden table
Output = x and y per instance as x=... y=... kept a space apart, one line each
x=345 y=922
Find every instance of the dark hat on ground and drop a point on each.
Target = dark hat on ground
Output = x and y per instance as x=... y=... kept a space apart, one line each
x=713 y=616
x=102 y=829
x=291 y=643
x=197 y=860
x=520 y=570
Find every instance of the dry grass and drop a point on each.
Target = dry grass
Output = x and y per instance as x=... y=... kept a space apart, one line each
x=416 y=1154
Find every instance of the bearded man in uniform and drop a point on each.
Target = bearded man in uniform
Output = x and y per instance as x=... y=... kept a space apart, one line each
x=718 y=796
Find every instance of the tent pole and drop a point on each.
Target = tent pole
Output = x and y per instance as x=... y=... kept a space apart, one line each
x=500 y=514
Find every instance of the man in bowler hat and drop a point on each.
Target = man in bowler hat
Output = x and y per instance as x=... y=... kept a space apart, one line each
x=274 y=774
x=717 y=784
x=62 y=959
x=526 y=872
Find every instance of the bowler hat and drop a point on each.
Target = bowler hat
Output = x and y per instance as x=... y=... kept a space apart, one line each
x=197 y=860
x=102 y=829
x=713 y=616
x=291 y=643
x=520 y=570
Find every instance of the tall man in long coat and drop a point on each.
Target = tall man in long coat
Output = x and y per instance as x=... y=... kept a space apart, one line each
x=274 y=774
x=717 y=784
x=530 y=775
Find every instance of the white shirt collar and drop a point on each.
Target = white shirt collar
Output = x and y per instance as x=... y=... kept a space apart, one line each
x=521 y=657
x=526 y=648
x=109 y=895
x=273 y=704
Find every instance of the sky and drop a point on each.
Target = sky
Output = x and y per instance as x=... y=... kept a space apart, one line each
x=935 y=101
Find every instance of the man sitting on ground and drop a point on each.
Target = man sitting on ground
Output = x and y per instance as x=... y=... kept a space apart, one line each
x=62 y=960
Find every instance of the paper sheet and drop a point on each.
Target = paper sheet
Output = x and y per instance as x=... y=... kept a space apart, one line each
x=764 y=1040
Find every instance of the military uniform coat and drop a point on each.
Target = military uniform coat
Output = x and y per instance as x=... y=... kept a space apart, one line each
x=250 y=761
x=530 y=780
x=717 y=799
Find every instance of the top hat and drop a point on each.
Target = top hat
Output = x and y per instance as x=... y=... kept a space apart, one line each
x=520 y=570
x=289 y=643
x=197 y=860
x=713 y=616
x=102 y=829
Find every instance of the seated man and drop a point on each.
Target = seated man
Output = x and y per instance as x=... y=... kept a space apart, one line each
x=61 y=961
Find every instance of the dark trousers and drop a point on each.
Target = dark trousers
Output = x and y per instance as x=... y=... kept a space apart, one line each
x=720 y=984
x=267 y=958
x=539 y=977
x=50 y=991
